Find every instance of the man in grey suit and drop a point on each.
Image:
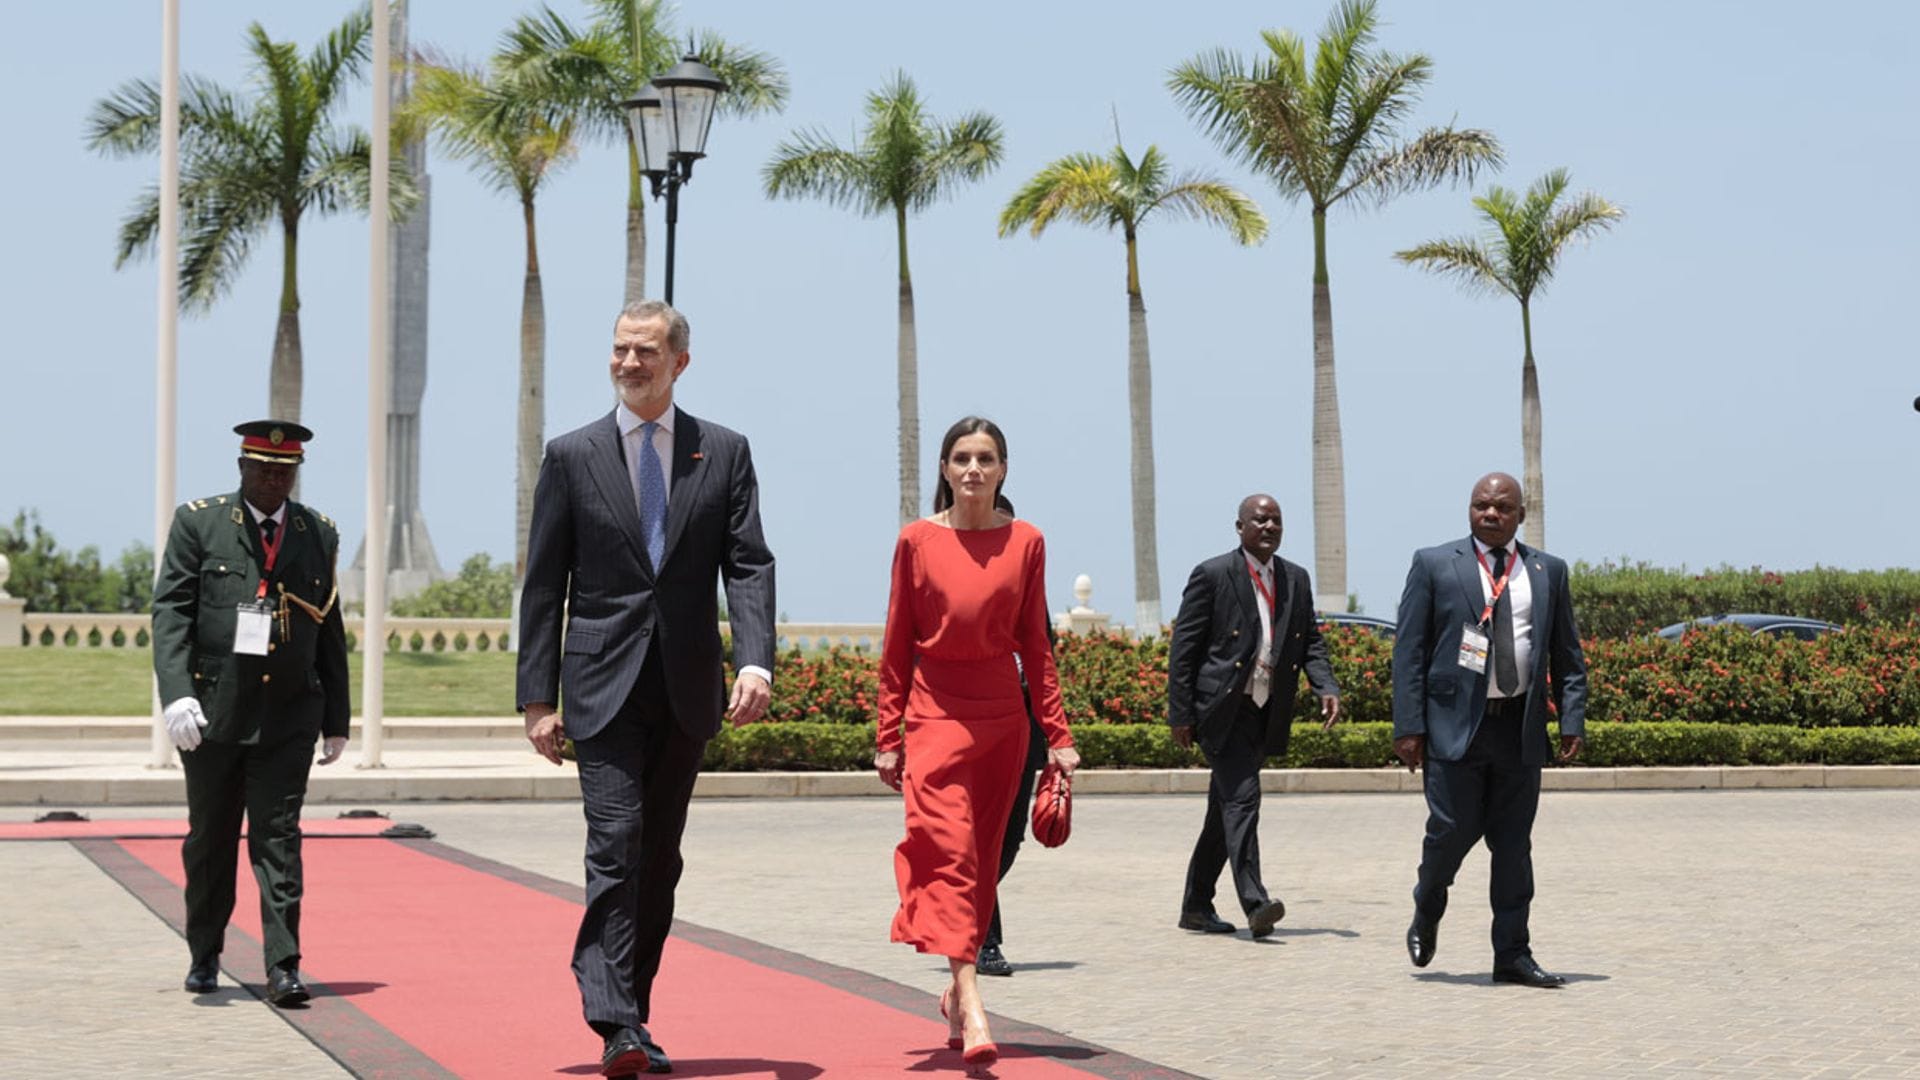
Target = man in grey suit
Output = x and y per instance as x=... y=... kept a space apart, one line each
x=1484 y=622
x=1245 y=631
x=635 y=518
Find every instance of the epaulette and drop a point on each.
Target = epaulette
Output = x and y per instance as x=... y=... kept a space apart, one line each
x=210 y=501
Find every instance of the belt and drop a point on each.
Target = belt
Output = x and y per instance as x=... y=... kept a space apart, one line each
x=1507 y=707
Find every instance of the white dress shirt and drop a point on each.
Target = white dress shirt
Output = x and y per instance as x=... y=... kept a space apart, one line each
x=1520 y=595
x=1260 y=682
x=662 y=444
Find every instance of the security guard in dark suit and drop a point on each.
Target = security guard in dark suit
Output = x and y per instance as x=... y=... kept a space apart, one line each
x=251 y=657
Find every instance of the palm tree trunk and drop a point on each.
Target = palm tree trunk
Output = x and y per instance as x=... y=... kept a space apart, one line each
x=532 y=419
x=909 y=374
x=285 y=375
x=1146 y=549
x=636 y=290
x=1535 y=493
x=1329 y=463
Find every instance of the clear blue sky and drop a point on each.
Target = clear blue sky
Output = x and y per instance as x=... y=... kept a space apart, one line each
x=1727 y=377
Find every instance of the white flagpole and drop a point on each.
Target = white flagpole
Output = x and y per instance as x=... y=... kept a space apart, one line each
x=373 y=644
x=166 y=364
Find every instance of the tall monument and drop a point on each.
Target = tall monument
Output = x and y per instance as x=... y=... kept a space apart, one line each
x=411 y=563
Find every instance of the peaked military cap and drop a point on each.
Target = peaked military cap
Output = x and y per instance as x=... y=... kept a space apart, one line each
x=279 y=441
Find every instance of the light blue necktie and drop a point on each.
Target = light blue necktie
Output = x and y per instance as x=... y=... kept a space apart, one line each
x=652 y=486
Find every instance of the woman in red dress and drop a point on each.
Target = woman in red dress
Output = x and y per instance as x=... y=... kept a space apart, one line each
x=968 y=594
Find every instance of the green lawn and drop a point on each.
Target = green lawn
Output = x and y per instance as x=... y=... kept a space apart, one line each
x=117 y=682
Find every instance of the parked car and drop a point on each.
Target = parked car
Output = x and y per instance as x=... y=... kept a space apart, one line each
x=1780 y=625
x=1381 y=627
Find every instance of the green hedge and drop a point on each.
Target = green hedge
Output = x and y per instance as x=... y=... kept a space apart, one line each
x=830 y=747
x=1865 y=677
x=1617 y=600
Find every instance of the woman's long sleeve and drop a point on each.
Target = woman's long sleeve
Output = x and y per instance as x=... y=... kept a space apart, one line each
x=896 y=651
x=1036 y=650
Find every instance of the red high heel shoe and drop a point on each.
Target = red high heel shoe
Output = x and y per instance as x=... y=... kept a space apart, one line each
x=980 y=1054
x=955 y=1039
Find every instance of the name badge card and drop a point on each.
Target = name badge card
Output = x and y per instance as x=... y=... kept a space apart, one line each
x=1473 y=650
x=253 y=625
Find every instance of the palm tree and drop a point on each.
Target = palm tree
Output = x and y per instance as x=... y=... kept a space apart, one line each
x=905 y=162
x=248 y=162
x=625 y=45
x=1518 y=257
x=1328 y=133
x=1117 y=192
x=514 y=143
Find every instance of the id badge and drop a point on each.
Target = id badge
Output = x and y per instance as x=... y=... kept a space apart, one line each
x=1473 y=650
x=252 y=627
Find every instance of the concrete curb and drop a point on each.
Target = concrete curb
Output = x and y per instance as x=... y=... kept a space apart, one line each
x=416 y=781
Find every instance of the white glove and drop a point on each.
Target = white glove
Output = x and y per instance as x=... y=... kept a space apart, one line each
x=331 y=748
x=184 y=721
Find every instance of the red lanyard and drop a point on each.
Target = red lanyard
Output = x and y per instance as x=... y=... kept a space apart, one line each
x=1498 y=587
x=272 y=549
x=1260 y=583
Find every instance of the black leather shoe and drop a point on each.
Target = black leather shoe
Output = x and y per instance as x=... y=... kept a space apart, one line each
x=1422 y=936
x=629 y=1051
x=284 y=987
x=1261 y=920
x=991 y=961
x=1205 y=922
x=203 y=977
x=1527 y=973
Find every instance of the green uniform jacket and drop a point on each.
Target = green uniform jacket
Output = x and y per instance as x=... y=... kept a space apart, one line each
x=213 y=564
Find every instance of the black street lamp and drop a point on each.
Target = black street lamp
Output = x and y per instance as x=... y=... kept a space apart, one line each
x=670 y=118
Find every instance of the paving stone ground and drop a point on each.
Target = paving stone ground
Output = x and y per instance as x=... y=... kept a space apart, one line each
x=1728 y=933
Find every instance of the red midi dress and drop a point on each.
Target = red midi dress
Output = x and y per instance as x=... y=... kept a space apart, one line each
x=964 y=602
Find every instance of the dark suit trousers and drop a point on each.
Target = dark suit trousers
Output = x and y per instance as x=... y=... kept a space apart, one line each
x=1017 y=819
x=266 y=784
x=1489 y=793
x=636 y=778
x=1231 y=835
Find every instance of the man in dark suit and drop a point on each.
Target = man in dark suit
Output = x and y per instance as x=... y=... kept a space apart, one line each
x=251 y=658
x=1484 y=621
x=635 y=518
x=1245 y=630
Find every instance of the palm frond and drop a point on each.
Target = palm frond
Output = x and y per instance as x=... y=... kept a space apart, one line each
x=1469 y=262
x=962 y=150
x=811 y=165
x=223 y=209
x=756 y=81
x=127 y=121
x=1212 y=202
x=1083 y=188
x=579 y=74
x=341 y=56
x=1434 y=157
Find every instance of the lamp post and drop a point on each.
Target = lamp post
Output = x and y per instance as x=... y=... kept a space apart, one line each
x=670 y=118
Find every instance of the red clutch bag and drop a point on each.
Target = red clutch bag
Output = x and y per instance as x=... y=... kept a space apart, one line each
x=1053 y=807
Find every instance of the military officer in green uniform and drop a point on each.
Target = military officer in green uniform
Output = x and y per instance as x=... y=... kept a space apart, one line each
x=251 y=657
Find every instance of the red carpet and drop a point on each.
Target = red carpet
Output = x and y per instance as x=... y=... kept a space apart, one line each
x=430 y=962
x=169 y=828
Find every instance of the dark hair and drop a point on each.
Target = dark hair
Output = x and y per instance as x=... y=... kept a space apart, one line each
x=966 y=425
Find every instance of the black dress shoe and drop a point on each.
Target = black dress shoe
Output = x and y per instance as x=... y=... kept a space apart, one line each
x=284 y=987
x=630 y=1051
x=1527 y=973
x=203 y=977
x=991 y=961
x=1205 y=921
x=1261 y=920
x=1422 y=936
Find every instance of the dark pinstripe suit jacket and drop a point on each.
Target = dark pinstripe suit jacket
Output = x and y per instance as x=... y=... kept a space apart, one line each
x=587 y=565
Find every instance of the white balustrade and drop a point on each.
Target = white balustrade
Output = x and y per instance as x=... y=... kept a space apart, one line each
x=58 y=630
